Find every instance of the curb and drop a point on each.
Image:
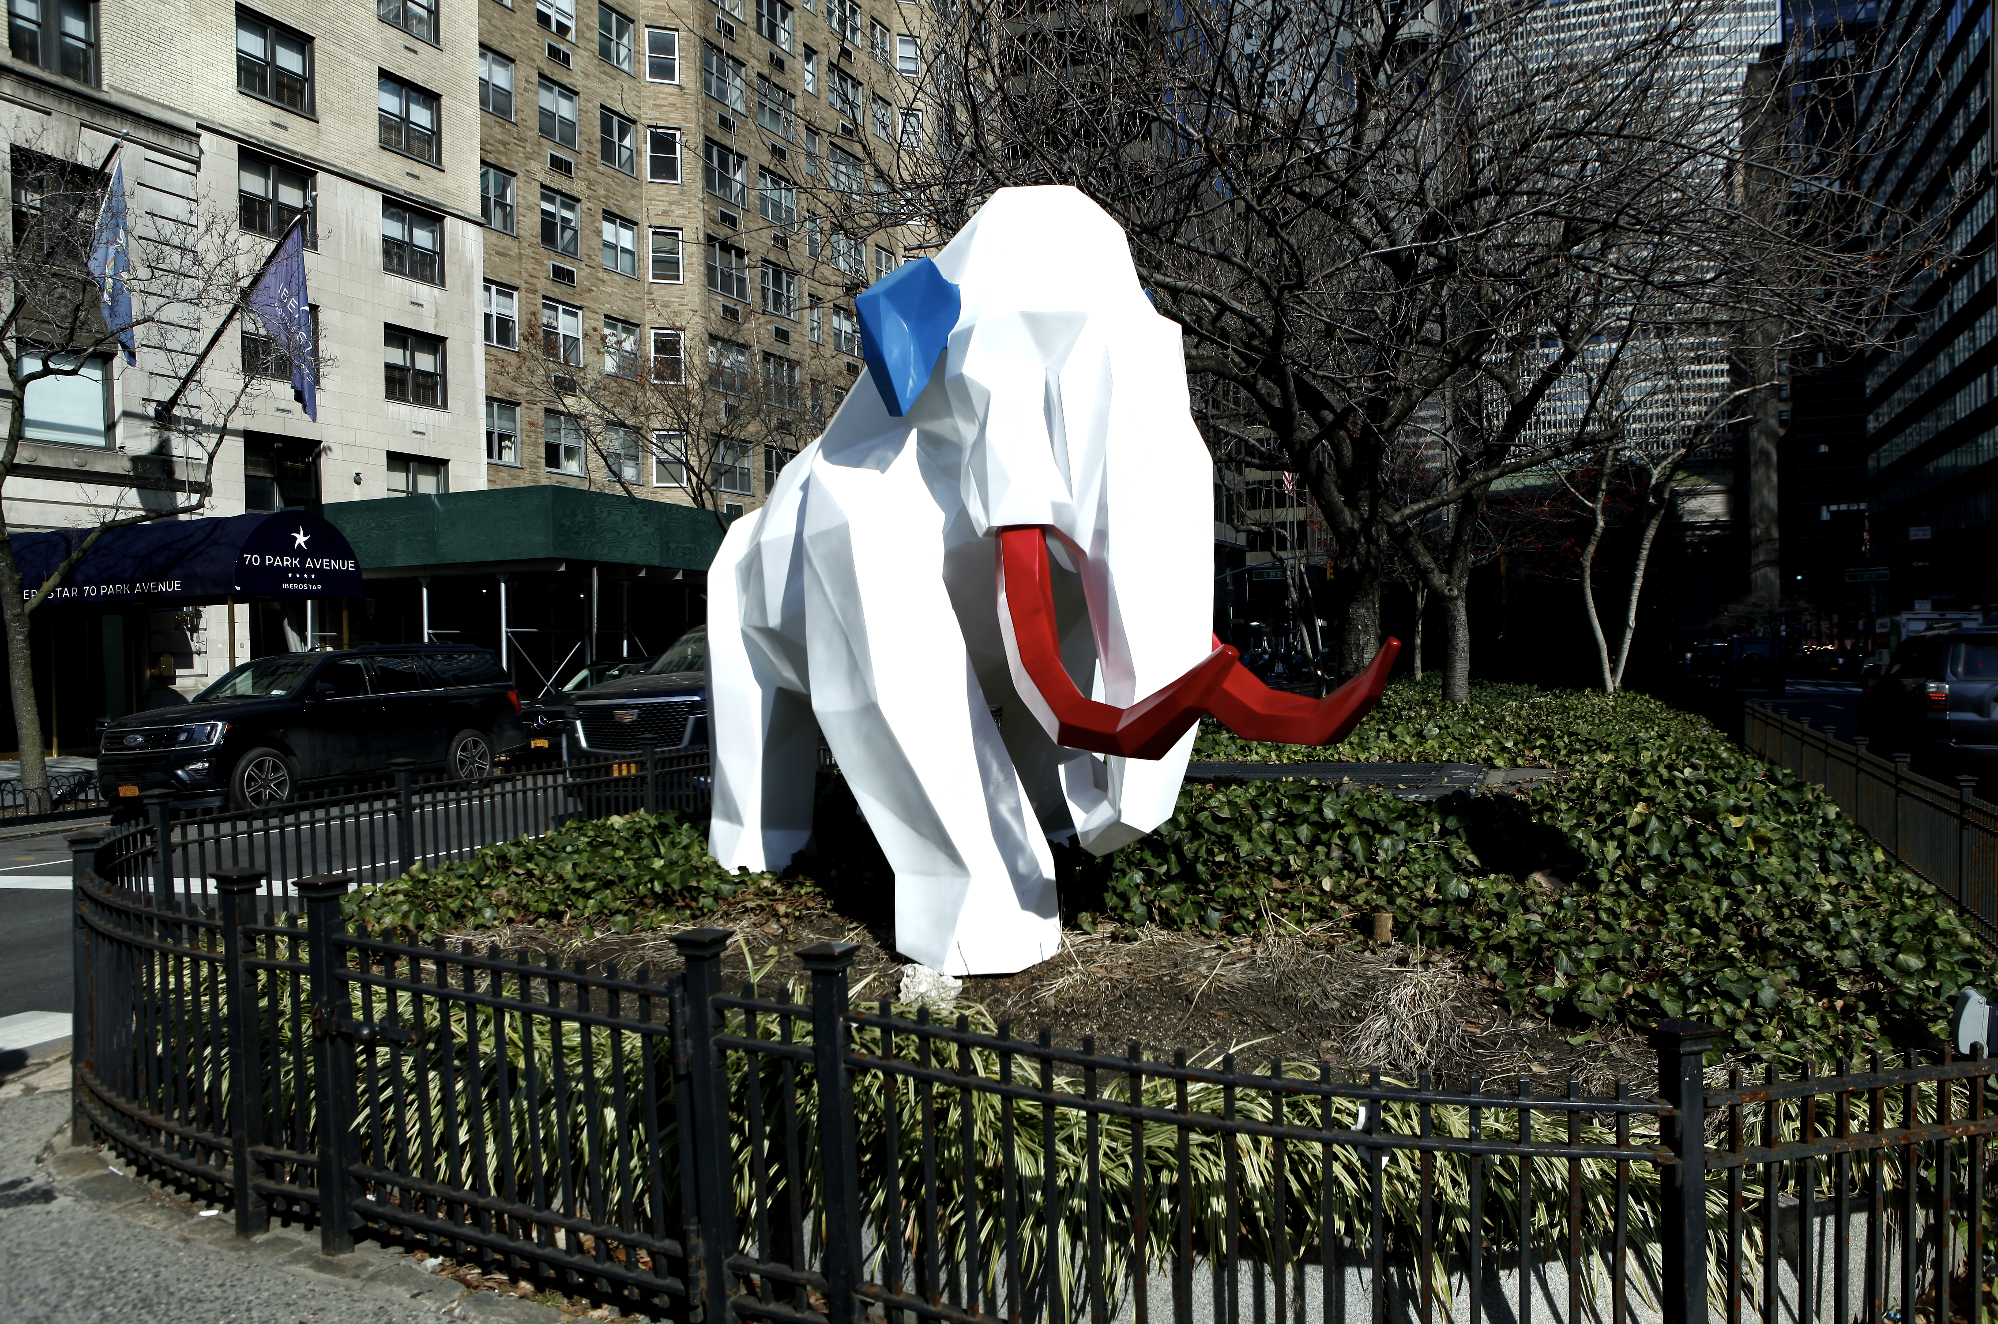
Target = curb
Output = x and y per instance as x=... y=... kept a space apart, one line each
x=87 y=1175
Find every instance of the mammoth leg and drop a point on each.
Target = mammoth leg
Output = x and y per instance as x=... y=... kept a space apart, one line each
x=763 y=739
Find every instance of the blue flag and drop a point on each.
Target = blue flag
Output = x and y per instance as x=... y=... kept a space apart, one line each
x=109 y=261
x=280 y=302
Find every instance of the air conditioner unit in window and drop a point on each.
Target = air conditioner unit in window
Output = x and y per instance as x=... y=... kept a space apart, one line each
x=726 y=28
x=780 y=241
x=726 y=123
x=730 y=313
x=778 y=153
x=561 y=165
x=728 y=218
x=560 y=274
x=846 y=52
x=559 y=55
x=781 y=335
x=776 y=62
x=852 y=368
x=563 y=385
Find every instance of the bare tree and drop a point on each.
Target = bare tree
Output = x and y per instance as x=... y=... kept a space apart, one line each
x=56 y=325
x=1393 y=226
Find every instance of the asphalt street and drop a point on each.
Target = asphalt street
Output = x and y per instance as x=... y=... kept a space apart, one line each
x=1832 y=705
x=34 y=923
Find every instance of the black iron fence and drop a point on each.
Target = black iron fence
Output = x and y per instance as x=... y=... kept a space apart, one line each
x=69 y=794
x=383 y=829
x=677 y=1148
x=1944 y=833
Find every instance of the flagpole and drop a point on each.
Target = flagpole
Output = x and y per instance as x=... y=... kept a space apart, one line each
x=106 y=165
x=164 y=414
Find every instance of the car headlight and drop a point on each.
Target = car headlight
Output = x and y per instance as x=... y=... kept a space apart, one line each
x=196 y=734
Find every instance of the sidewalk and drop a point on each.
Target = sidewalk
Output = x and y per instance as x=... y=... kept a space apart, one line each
x=84 y=1242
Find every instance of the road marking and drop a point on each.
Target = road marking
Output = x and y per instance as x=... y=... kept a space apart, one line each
x=38 y=864
x=48 y=882
x=31 y=1029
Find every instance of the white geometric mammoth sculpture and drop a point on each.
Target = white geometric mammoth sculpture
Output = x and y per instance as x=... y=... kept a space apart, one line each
x=989 y=584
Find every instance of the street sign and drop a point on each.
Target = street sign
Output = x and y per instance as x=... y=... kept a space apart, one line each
x=1867 y=574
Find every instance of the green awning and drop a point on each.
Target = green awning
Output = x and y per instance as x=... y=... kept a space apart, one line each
x=524 y=526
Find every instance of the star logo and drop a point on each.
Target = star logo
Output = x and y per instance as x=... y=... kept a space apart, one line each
x=300 y=538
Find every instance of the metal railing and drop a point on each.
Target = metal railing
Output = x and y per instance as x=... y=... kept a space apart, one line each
x=69 y=793
x=379 y=831
x=674 y=1148
x=1944 y=833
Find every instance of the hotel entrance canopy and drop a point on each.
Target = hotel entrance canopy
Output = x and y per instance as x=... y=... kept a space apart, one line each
x=178 y=563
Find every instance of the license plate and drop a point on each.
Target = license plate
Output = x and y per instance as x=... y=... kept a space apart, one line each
x=128 y=790
x=537 y=744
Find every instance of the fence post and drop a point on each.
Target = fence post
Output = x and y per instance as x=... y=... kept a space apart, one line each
x=238 y=889
x=706 y=1095
x=651 y=778
x=159 y=808
x=333 y=1100
x=1966 y=788
x=1682 y=1047
x=839 y=1174
x=83 y=973
x=1900 y=773
x=404 y=833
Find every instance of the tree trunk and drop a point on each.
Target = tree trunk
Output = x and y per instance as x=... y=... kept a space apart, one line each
x=1637 y=581
x=21 y=679
x=1361 y=638
x=1588 y=577
x=1421 y=608
x=1457 y=647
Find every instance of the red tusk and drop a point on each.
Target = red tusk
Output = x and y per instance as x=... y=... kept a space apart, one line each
x=1254 y=711
x=1147 y=729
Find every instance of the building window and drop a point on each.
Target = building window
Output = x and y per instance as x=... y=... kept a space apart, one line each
x=562 y=443
x=415 y=367
x=845 y=331
x=667 y=266
x=69 y=406
x=264 y=357
x=780 y=381
x=811 y=71
x=816 y=322
x=884 y=262
x=613 y=38
x=731 y=468
x=496 y=198
x=495 y=83
x=845 y=96
x=558 y=113
x=408 y=119
x=279 y=473
x=620 y=245
x=270 y=196
x=416 y=17
x=502 y=316
x=726 y=174
x=662 y=55
x=844 y=170
x=912 y=130
x=412 y=243
x=624 y=454
x=773 y=23
x=884 y=116
x=617 y=141
x=877 y=44
x=724 y=77
x=669 y=459
x=412 y=475
x=502 y=432
x=620 y=349
x=780 y=290
x=728 y=270
x=662 y=156
x=777 y=199
x=561 y=223
x=562 y=333
x=669 y=356
x=776 y=107
x=558 y=16
x=843 y=17
x=774 y=460
x=57 y=35
x=908 y=56
x=273 y=63
x=728 y=366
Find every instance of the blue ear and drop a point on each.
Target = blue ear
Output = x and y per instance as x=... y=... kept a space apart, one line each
x=905 y=318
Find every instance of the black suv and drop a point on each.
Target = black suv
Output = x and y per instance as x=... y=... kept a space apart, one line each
x=1938 y=699
x=257 y=733
x=664 y=706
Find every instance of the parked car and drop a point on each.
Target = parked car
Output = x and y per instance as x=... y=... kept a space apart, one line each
x=547 y=718
x=1937 y=699
x=269 y=726
x=664 y=705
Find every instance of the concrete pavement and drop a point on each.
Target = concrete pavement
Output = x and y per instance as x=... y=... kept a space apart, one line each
x=81 y=1242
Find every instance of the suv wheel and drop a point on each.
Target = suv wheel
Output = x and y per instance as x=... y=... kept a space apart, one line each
x=263 y=779
x=469 y=757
